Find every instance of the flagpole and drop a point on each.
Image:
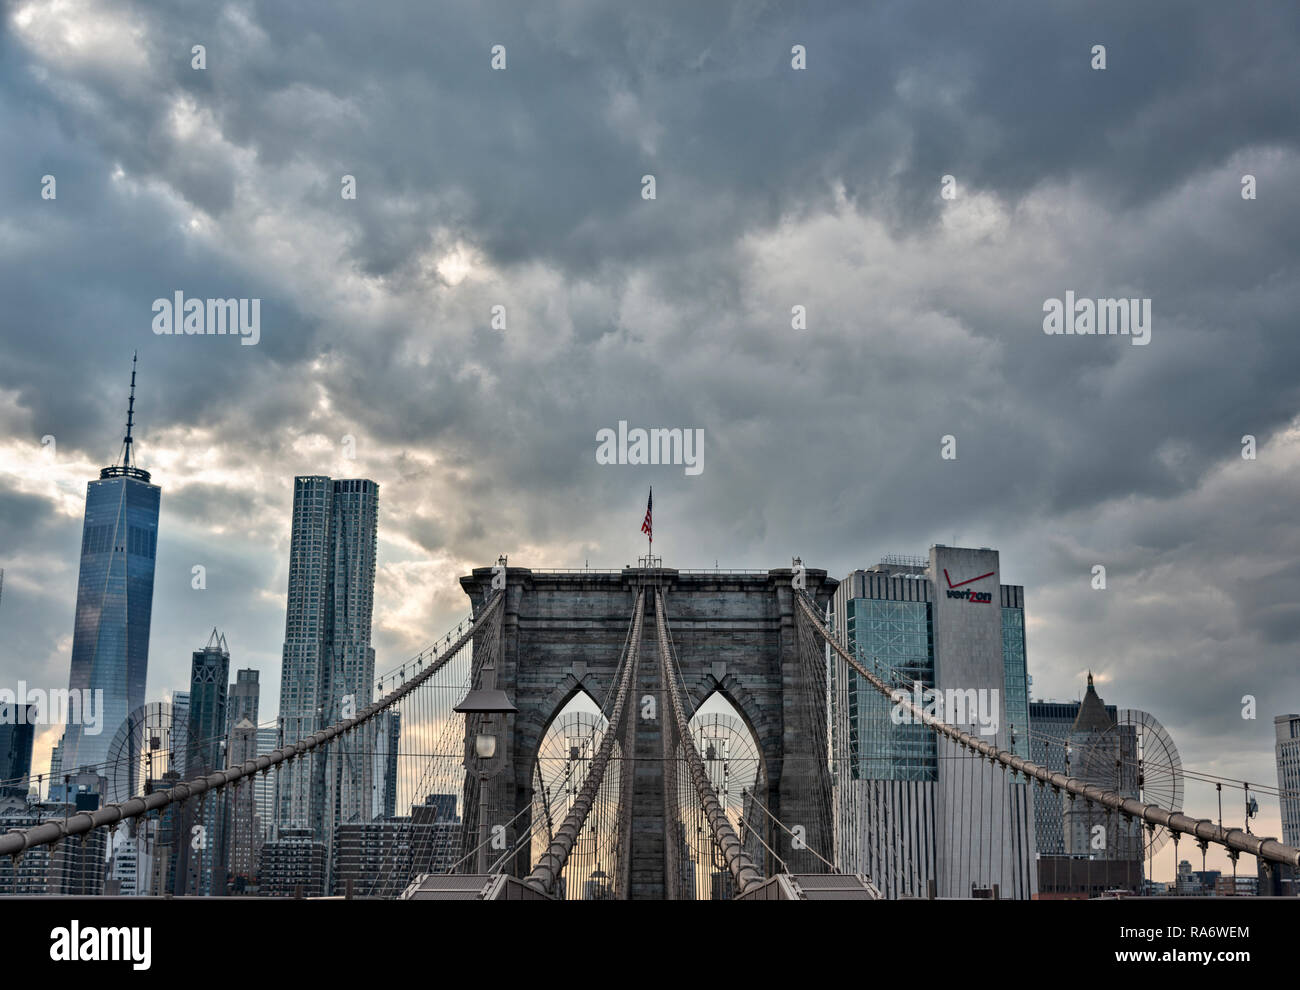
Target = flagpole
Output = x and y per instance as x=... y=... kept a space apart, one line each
x=648 y=526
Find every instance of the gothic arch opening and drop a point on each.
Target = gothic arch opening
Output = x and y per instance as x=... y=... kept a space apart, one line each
x=734 y=765
x=564 y=757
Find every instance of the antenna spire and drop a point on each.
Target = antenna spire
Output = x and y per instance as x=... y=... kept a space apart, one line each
x=130 y=417
x=127 y=468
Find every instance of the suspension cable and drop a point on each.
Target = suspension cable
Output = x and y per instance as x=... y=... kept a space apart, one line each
x=13 y=843
x=551 y=863
x=738 y=862
x=1233 y=839
x=786 y=829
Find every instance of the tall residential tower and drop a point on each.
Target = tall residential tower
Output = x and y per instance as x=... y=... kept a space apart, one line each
x=328 y=664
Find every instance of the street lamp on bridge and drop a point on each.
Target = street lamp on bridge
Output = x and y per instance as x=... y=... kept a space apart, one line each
x=487 y=701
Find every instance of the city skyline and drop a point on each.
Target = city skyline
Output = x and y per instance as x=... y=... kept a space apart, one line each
x=370 y=665
x=801 y=291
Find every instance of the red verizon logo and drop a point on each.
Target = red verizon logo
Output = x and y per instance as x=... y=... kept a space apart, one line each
x=958 y=591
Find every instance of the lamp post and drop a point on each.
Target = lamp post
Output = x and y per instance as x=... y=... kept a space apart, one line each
x=487 y=701
x=597 y=885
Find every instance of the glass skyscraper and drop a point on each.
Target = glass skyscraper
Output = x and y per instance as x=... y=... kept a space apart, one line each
x=328 y=668
x=1015 y=675
x=895 y=638
x=202 y=856
x=110 y=641
x=889 y=635
x=17 y=735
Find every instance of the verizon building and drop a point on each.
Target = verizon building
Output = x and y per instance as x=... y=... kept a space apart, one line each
x=915 y=809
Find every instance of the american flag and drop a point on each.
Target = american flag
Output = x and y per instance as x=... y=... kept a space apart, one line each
x=646 y=526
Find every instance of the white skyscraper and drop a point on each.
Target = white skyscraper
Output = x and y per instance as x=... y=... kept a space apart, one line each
x=1287 y=728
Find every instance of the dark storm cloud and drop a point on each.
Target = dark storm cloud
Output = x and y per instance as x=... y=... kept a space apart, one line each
x=1269 y=604
x=24 y=521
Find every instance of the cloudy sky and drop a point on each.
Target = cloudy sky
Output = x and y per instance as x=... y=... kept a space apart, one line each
x=774 y=187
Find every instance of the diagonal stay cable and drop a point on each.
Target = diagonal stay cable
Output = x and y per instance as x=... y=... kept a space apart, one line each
x=469 y=855
x=763 y=808
x=528 y=834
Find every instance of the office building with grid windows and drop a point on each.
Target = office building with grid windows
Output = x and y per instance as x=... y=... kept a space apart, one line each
x=942 y=626
x=1050 y=725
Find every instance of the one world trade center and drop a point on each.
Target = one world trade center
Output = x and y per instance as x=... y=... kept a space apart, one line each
x=110 y=642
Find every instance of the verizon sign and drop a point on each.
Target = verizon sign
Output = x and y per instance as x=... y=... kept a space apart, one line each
x=959 y=589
